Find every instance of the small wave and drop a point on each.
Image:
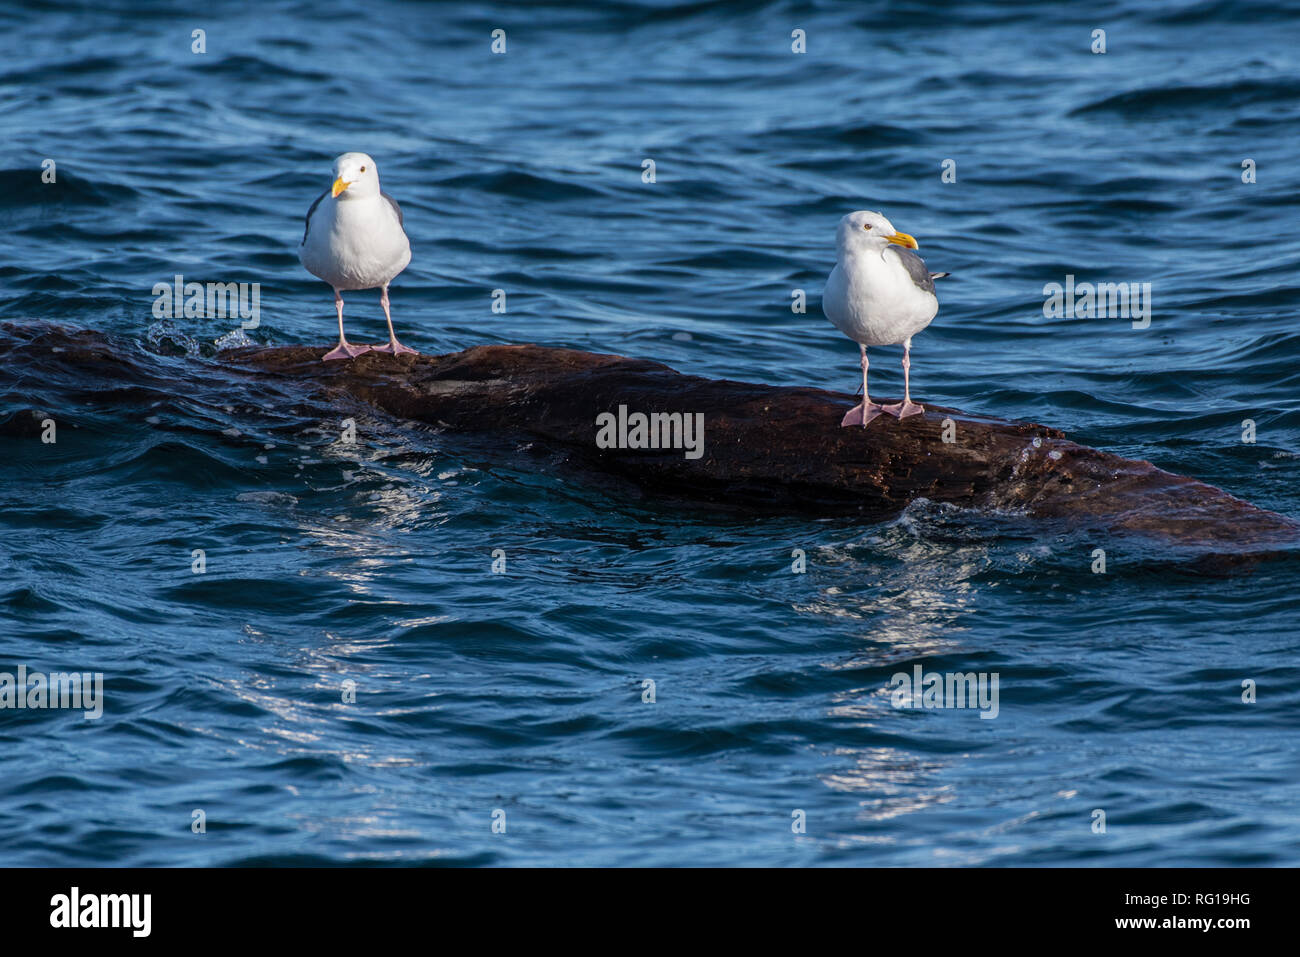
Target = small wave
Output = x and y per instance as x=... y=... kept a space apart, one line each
x=262 y=70
x=1159 y=101
x=26 y=187
x=283 y=499
x=520 y=185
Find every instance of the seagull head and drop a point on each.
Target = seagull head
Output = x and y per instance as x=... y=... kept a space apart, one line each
x=355 y=176
x=867 y=231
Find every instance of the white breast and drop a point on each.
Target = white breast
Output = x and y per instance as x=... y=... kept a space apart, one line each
x=871 y=298
x=355 y=243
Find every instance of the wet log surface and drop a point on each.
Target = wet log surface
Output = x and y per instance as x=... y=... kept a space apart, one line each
x=773 y=448
x=766 y=448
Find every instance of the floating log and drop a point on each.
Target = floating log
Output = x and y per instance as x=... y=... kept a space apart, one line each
x=765 y=448
x=769 y=448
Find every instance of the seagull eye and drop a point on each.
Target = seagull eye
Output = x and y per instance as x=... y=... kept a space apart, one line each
x=363 y=169
x=866 y=225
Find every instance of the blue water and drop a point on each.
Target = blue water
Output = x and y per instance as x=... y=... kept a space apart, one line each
x=522 y=692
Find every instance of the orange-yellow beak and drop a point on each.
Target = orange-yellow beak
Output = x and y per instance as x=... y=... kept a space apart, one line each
x=340 y=186
x=899 y=239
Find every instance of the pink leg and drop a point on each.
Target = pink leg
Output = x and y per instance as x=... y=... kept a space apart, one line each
x=393 y=346
x=868 y=410
x=907 y=406
x=345 y=349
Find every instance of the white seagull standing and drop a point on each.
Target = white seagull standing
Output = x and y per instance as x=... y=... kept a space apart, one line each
x=354 y=240
x=879 y=294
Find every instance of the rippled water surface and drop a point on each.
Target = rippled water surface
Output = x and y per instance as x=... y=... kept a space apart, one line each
x=522 y=693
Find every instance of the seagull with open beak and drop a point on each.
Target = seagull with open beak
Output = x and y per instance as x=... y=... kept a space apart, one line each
x=354 y=240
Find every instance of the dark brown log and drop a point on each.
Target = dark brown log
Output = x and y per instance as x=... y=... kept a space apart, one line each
x=765 y=448
x=774 y=448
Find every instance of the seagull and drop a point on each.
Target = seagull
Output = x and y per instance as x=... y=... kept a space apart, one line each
x=879 y=294
x=354 y=239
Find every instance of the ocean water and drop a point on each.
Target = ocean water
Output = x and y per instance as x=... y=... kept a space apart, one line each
x=520 y=697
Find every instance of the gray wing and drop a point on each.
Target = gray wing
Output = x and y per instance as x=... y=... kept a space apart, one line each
x=306 y=227
x=915 y=267
x=940 y=275
x=397 y=209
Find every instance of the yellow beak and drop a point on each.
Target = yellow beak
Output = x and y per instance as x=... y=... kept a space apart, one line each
x=900 y=239
x=340 y=186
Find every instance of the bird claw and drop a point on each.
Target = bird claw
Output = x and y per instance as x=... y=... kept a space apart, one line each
x=345 y=350
x=396 y=348
x=854 y=415
x=902 y=410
